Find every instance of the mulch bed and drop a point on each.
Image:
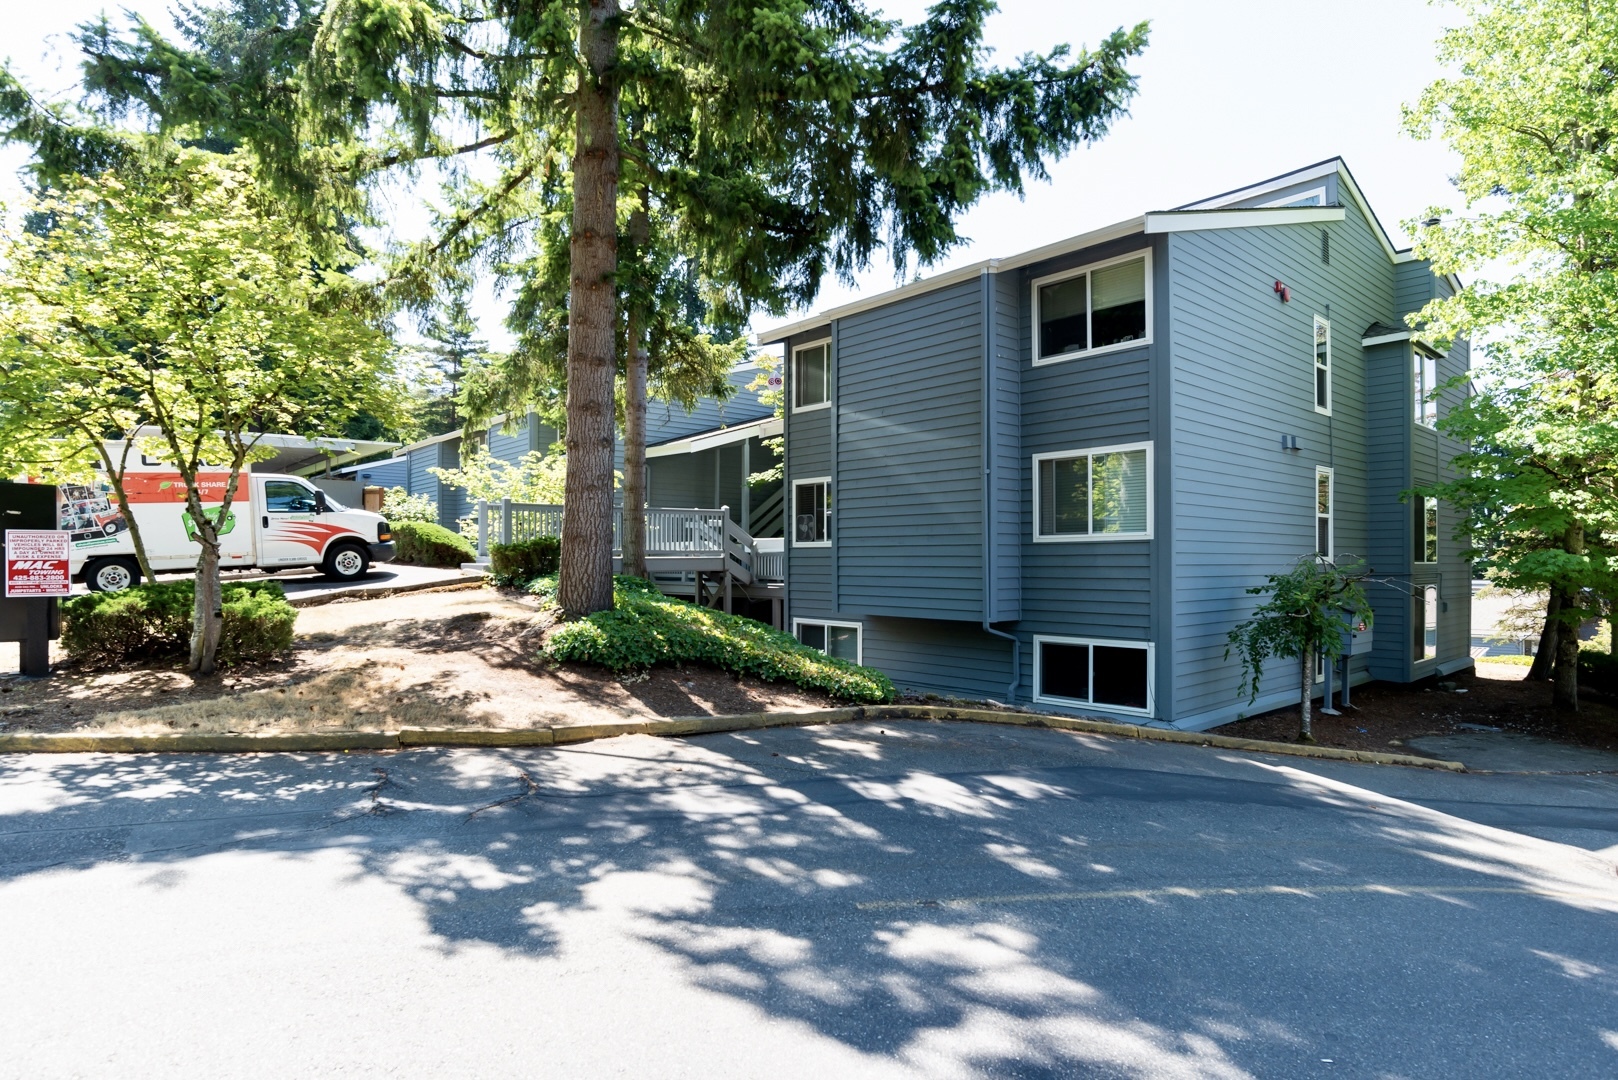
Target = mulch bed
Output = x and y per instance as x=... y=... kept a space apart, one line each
x=1385 y=716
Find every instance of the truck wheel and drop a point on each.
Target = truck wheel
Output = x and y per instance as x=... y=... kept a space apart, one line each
x=346 y=563
x=112 y=575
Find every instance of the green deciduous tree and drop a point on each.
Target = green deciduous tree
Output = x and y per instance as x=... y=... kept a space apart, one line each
x=1306 y=614
x=1531 y=107
x=173 y=277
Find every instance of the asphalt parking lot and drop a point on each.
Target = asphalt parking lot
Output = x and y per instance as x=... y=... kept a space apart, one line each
x=900 y=900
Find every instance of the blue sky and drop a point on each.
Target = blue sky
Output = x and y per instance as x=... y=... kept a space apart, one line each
x=1231 y=91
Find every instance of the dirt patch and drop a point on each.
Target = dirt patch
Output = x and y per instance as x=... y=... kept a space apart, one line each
x=454 y=659
x=1386 y=716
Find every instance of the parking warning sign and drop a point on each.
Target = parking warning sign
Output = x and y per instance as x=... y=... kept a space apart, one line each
x=37 y=563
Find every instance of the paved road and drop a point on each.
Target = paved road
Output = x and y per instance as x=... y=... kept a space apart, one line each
x=914 y=900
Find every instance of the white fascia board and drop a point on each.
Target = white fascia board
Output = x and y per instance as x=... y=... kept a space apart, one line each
x=951 y=277
x=707 y=440
x=1313 y=172
x=1385 y=339
x=1173 y=221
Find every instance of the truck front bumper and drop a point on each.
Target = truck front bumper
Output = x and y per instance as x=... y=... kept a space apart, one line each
x=381 y=553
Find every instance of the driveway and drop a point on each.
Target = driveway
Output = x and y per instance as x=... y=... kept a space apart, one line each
x=903 y=900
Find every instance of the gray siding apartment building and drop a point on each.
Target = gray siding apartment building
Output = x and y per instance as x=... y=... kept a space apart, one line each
x=1050 y=478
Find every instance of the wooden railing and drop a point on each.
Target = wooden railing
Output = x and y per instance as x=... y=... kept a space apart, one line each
x=670 y=532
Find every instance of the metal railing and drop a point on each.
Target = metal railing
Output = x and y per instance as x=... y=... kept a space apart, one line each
x=692 y=532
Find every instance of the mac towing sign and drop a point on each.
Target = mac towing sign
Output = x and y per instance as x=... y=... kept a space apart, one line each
x=36 y=563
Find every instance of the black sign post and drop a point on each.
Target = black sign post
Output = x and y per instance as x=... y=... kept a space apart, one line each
x=34 y=621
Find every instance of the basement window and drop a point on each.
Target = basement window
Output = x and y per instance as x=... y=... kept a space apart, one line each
x=835 y=639
x=1103 y=306
x=1098 y=673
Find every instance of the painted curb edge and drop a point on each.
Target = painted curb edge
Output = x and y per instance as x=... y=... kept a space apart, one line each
x=558 y=735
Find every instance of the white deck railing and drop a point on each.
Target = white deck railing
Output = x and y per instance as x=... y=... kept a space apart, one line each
x=670 y=532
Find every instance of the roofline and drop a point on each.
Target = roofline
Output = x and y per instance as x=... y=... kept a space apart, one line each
x=1154 y=222
x=459 y=432
x=1114 y=231
x=764 y=427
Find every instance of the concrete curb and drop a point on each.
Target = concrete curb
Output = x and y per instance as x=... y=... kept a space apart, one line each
x=302 y=600
x=560 y=735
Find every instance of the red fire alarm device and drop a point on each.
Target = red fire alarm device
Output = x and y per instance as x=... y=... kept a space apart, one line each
x=1283 y=292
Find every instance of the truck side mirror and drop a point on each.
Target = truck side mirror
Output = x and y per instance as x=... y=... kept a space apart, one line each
x=320 y=502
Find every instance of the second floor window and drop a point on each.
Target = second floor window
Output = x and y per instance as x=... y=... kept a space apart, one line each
x=1322 y=365
x=811 y=512
x=1325 y=497
x=811 y=376
x=1096 y=307
x=1100 y=494
x=1424 y=379
x=1426 y=530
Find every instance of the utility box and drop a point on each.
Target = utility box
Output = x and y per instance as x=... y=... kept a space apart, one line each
x=1357 y=639
x=34 y=622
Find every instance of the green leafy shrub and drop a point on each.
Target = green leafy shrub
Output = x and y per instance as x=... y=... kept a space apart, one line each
x=422 y=543
x=399 y=505
x=1598 y=671
x=521 y=562
x=153 y=623
x=646 y=627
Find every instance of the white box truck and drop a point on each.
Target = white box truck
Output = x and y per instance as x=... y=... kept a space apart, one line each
x=275 y=522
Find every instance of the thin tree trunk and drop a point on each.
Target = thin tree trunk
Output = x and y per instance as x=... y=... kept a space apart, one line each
x=207 y=615
x=1306 y=703
x=586 y=565
x=640 y=230
x=1545 y=655
x=115 y=477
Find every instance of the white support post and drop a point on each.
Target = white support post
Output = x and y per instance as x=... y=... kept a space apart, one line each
x=483 y=528
x=505 y=521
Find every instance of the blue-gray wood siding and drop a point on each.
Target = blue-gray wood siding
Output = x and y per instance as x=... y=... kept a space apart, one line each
x=1389 y=420
x=395 y=472
x=1243 y=376
x=666 y=422
x=421 y=480
x=1005 y=463
x=909 y=458
x=452 y=501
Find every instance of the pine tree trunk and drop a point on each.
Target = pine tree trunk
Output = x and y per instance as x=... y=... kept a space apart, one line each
x=635 y=411
x=1306 y=733
x=586 y=570
x=207 y=618
x=1565 y=679
x=1545 y=656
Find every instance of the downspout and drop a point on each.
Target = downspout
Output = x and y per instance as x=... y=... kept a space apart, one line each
x=986 y=309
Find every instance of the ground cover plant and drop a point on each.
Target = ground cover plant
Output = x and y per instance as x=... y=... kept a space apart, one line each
x=152 y=623
x=422 y=543
x=644 y=628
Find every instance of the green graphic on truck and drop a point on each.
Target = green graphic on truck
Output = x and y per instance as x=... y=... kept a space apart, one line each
x=213 y=515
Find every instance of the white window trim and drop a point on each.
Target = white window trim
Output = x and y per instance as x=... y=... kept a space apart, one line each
x=1051 y=279
x=1289 y=200
x=1314 y=365
x=858 y=628
x=1331 y=511
x=1109 y=643
x=1420 y=356
x=1420 y=539
x=1092 y=451
x=792 y=533
x=823 y=343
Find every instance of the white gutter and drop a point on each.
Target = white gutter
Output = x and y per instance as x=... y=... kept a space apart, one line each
x=707 y=440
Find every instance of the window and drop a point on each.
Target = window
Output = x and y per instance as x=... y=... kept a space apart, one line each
x=811 y=512
x=1315 y=197
x=285 y=497
x=1099 y=494
x=1114 y=675
x=1424 y=645
x=811 y=376
x=1424 y=377
x=1322 y=365
x=1103 y=306
x=841 y=640
x=1325 y=498
x=1425 y=531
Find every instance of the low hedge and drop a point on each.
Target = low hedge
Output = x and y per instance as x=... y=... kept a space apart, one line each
x=422 y=543
x=1598 y=671
x=150 y=623
x=521 y=562
x=645 y=628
